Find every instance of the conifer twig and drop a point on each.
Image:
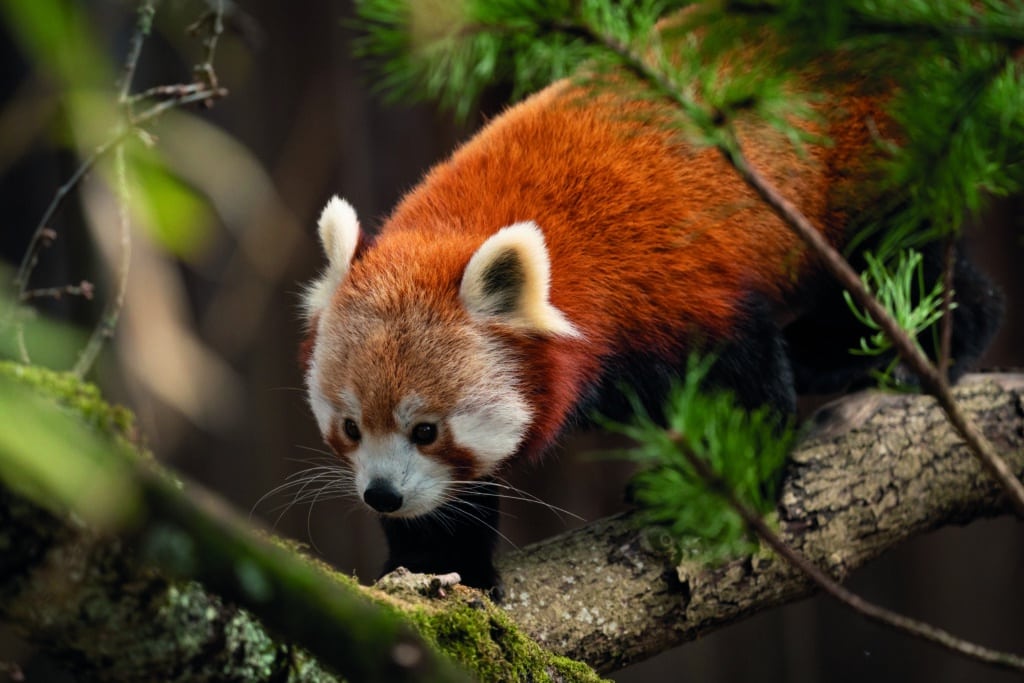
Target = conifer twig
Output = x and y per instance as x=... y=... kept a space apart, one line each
x=869 y=610
x=965 y=27
x=932 y=381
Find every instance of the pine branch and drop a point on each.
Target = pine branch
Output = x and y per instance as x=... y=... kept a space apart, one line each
x=931 y=380
x=878 y=470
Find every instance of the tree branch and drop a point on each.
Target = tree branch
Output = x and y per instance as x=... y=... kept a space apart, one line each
x=607 y=594
x=79 y=589
x=878 y=470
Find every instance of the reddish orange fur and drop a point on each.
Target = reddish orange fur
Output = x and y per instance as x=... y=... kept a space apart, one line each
x=697 y=240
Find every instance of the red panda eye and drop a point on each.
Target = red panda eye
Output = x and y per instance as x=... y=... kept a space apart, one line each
x=352 y=430
x=424 y=434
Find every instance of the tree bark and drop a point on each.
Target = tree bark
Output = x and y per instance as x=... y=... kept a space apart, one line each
x=876 y=469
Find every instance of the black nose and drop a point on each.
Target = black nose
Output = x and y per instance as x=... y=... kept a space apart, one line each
x=382 y=496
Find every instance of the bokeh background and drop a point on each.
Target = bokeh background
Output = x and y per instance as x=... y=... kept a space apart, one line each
x=205 y=353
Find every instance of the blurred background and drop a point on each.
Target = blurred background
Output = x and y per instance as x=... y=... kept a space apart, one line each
x=205 y=352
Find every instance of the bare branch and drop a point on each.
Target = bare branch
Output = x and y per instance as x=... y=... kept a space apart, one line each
x=177 y=96
x=112 y=311
x=213 y=21
x=83 y=289
x=143 y=26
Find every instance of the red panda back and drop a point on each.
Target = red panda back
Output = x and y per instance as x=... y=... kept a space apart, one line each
x=576 y=244
x=649 y=239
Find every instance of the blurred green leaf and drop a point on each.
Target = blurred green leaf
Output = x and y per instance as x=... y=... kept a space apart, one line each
x=173 y=213
x=56 y=35
x=52 y=456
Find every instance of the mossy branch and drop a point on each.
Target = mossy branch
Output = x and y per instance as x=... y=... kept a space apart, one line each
x=186 y=532
x=852 y=491
x=80 y=591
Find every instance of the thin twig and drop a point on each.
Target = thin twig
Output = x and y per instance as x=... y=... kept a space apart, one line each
x=178 y=96
x=932 y=381
x=112 y=311
x=83 y=289
x=870 y=610
x=214 y=19
x=143 y=26
x=43 y=233
x=165 y=91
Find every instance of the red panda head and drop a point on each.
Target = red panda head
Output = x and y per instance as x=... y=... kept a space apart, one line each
x=413 y=376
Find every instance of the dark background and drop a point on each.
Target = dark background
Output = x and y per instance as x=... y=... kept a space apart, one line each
x=308 y=126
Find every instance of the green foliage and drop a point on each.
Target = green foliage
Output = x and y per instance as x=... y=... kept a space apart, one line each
x=905 y=296
x=947 y=70
x=960 y=101
x=173 y=213
x=745 y=450
x=63 y=447
x=449 y=51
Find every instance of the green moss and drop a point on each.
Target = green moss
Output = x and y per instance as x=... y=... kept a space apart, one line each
x=469 y=629
x=482 y=638
x=82 y=397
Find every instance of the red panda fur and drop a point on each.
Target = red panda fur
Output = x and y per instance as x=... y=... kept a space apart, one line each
x=643 y=247
x=697 y=240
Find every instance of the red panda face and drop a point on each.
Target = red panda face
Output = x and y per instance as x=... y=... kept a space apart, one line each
x=407 y=379
x=415 y=403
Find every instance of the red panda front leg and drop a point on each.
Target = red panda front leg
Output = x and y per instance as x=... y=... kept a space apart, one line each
x=460 y=536
x=754 y=364
x=392 y=354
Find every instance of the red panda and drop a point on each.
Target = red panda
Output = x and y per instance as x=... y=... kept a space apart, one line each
x=573 y=244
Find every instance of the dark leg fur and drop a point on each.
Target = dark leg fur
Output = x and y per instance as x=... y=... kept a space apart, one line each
x=753 y=365
x=458 y=537
x=976 y=318
x=820 y=342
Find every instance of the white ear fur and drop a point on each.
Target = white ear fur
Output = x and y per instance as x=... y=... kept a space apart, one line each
x=339 y=236
x=509 y=279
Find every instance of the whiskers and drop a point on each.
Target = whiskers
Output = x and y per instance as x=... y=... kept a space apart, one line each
x=326 y=478
x=506 y=491
x=461 y=503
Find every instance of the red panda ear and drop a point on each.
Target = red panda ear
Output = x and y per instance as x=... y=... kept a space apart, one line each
x=508 y=279
x=339 y=236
